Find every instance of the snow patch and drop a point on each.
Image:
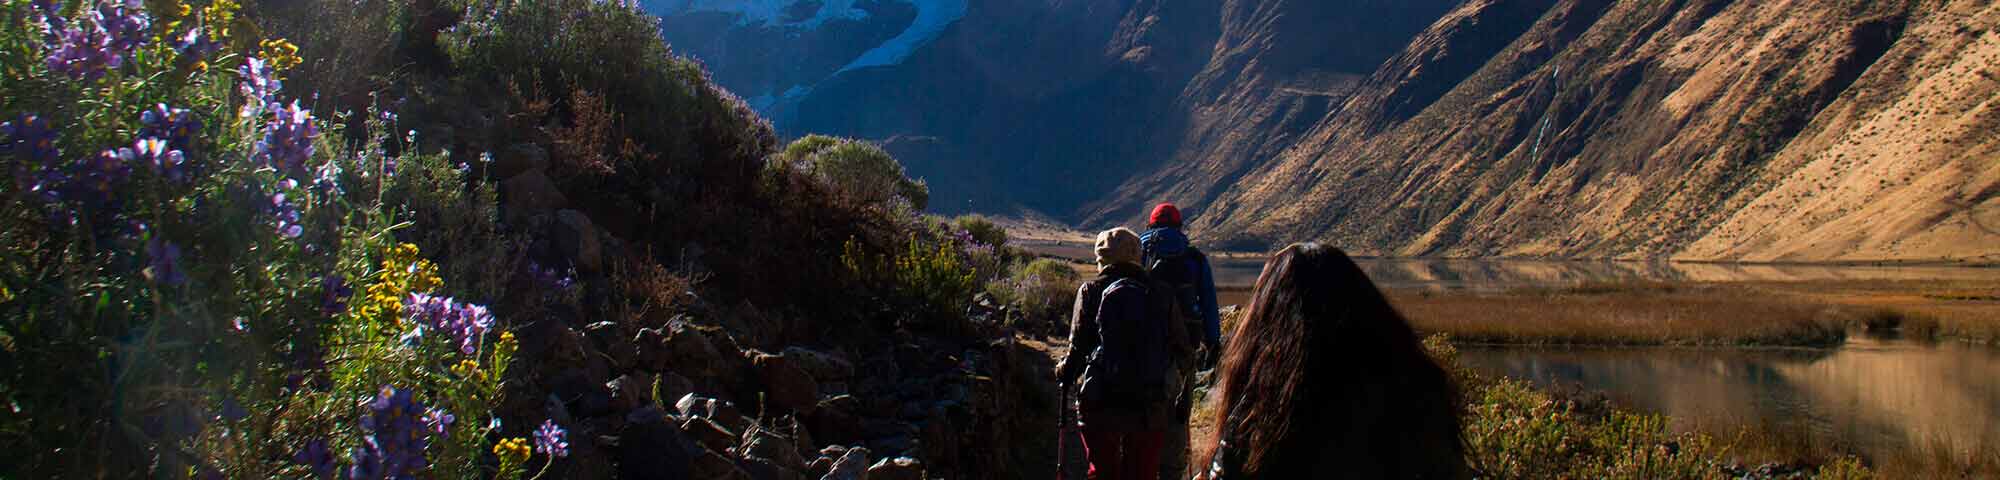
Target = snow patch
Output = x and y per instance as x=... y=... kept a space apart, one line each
x=769 y=12
x=932 y=18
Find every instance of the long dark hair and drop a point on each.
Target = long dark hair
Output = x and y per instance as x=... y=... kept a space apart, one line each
x=1322 y=371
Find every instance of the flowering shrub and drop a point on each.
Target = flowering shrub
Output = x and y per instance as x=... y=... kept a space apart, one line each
x=180 y=253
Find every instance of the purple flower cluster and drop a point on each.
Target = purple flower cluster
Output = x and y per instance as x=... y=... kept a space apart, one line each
x=260 y=87
x=333 y=294
x=464 y=321
x=551 y=279
x=30 y=139
x=163 y=262
x=84 y=51
x=439 y=421
x=394 y=447
x=175 y=125
x=287 y=214
x=196 y=45
x=316 y=456
x=552 y=440
x=288 y=140
x=158 y=155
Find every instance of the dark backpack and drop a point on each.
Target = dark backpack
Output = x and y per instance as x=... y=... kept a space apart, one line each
x=1131 y=364
x=1179 y=272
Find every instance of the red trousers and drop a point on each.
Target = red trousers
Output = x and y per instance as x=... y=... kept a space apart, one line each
x=1123 y=455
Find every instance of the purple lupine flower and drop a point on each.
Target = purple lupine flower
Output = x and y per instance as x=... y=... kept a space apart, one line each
x=464 y=322
x=287 y=215
x=81 y=51
x=333 y=294
x=163 y=262
x=30 y=139
x=126 y=22
x=317 y=457
x=551 y=439
x=395 y=445
x=164 y=161
x=175 y=125
x=439 y=421
x=288 y=140
x=48 y=13
x=260 y=87
x=196 y=45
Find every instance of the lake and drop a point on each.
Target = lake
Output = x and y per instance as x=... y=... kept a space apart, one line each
x=1874 y=397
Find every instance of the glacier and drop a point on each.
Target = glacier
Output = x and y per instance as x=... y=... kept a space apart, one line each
x=932 y=18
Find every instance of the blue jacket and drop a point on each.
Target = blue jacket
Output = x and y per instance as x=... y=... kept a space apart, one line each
x=1169 y=242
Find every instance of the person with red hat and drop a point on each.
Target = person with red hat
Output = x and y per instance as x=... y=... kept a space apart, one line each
x=1172 y=260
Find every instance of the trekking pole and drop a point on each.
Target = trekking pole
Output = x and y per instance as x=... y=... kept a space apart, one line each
x=1062 y=430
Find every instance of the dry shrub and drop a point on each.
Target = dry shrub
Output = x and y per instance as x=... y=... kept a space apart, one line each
x=648 y=292
x=584 y=147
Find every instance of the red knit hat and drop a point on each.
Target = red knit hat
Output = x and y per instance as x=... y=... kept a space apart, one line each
x=1165 y=215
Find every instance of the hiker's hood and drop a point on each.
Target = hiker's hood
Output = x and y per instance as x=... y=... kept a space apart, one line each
x=1164 y=242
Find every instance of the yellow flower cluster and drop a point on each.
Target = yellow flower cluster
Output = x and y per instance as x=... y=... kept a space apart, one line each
x=220 y=15
x=512 y=452
x=404 y=271
x=281 y=54
x=465 y=369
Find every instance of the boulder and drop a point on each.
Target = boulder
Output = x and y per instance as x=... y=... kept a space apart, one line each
x=760 y=468
x=823 y=366
x=709 y=435
x=518 y=159
x=530 y=193
x=630 y=391
x=835 y=421
x=711 y=465
x=852 y=465
x=576 y=238
x=899 y=468
x=789 y=387
x=650 y=448
x=764 y=443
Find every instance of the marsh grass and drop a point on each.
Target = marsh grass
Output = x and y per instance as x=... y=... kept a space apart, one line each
x=1602 y=316
x=1802 y=314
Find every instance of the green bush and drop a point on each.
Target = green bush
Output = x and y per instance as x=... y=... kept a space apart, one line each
x=858 y=171
x=982 y=229
x=1041 y=290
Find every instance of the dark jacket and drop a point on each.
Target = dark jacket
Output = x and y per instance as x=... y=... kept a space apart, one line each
x=1169 y=242
x=1084 y=341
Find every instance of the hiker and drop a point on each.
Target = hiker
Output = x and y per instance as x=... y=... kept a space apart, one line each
x=1322 y=378
x=1121 y=339
x=1170 y=259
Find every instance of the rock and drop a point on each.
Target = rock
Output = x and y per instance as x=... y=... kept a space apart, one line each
x=518 y=159
x=852 y=465
x=706 y=433
x=779 y=449
x=819 y=467
x=531 y=193
x=576 y=238
x=689 y=350
x=630 y=391
x=708 y=464
x=898 y=444
x=823 y=366
x=651 y=448
x=673 y=385
x=760 y=468
x=835 y=421
x=789 y=386
x=899 y=468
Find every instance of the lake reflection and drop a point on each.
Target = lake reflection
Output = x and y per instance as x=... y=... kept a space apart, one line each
x=1487 y=274
x=1878 y=397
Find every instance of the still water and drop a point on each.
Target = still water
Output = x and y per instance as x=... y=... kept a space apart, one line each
x=1488 y=275
x=1871 y=396
x=1874 y=397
